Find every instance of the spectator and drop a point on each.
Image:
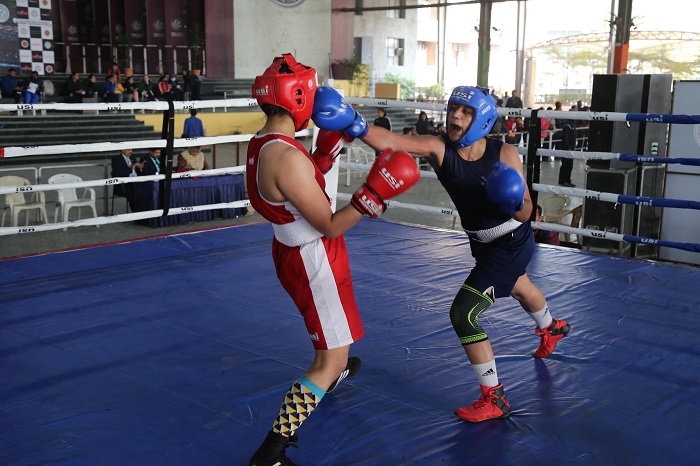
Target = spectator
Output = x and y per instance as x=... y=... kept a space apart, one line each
x=33 y=88
x=422 y=123
x=410 y=130
x=194 y=128
x=514 y=101
x=114 y=71
x=90 y=87
x=164 y=88
x=10 y=87
x=111 y=92
x=544 y=127
x=195 y=87
x=124 y=165
x=176 y=88
x=130 y=92
x=499 y=126
x=145 y=89
x=568 y=142
x=186 y=89
x=150 y=164
x=440 y=129
x=74 y=90
x=382 y=120
x=192 y=159
x=514 y=128
x=544 y=236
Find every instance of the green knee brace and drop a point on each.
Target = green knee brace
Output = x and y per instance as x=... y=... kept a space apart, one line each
x=464 y=314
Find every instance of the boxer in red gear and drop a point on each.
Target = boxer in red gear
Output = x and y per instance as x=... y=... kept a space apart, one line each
x=286 y=186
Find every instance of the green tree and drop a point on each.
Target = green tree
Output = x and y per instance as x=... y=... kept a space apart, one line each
x=659 y=60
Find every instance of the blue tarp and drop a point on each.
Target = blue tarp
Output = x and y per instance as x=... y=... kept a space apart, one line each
x=178 y=350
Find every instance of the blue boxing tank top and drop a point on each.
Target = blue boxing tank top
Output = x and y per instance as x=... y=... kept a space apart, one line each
x=465 y=182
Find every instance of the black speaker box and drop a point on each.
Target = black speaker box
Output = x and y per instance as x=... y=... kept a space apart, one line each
x=629 y=93
x=608 y=216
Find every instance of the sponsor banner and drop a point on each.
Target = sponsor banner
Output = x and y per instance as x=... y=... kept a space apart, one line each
x=35 y=35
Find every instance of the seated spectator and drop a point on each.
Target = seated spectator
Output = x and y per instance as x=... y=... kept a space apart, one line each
x=150 y=164
x=124 y=165
x=514 y=128
x=164 y=88
x=114 y=71
x=74 y=90
x=192 y=159
x=90 y=88
x=176 y=88
x=422 y=123
x=33 y=88
x=113 y=91
x=10 y=87
x=440 y=129
x=382 y=120
x=410 y=130
x=145 y=89
x=544 y=236
x=130 y=92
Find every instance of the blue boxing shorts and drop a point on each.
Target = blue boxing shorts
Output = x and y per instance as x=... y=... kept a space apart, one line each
x=502 y=261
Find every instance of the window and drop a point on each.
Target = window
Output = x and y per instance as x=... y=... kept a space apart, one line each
x=394 y=51
x=357 y=45
x=399 y=12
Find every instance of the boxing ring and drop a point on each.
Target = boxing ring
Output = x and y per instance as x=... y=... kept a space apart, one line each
x=176 y=350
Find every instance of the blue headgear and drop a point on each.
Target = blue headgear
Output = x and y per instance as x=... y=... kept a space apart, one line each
x=485 y=112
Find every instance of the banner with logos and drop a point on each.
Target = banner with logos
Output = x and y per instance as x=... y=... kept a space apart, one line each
x=35 y=34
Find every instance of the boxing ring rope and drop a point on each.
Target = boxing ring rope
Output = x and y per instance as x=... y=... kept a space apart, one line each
x=10 y=152
x=537 y=151
x=163 y=143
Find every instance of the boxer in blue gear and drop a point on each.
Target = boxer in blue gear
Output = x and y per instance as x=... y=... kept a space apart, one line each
x=484 y=179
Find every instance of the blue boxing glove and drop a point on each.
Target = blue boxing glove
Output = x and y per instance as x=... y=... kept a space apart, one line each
x=333 y=113
x=505 y=186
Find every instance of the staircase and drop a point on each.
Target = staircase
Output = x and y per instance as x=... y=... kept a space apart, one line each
x=67 y=128
x=220 y=88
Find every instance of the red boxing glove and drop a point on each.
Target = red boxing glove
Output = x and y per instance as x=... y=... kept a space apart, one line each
x=393 y=173
x=328 y=145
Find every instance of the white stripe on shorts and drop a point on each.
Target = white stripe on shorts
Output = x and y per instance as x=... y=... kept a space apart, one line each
x=325 y=293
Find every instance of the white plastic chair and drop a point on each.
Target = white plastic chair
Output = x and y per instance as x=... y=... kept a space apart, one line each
x=17 y=202
x=68 y=197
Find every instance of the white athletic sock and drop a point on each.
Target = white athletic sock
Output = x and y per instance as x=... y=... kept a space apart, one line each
x=486 y=373
x=542 y=318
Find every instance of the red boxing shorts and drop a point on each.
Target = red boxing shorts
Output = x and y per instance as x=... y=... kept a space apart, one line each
x=317 y=277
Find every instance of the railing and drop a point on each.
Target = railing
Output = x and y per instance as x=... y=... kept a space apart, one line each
x=144 y=59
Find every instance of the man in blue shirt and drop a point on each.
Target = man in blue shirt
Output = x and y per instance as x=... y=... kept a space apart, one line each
x=10 y=87
x=194 y=128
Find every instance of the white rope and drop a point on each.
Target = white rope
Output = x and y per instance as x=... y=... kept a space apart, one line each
x=122 y=180
x=576 y=192
x=122 y=217
x=110 y=106
x=116 y=146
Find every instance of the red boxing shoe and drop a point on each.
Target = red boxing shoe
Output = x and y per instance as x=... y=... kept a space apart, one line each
x=491 y=405
x=550 y=336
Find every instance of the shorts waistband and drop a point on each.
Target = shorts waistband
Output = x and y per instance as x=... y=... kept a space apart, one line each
x=490 y=234
x=296 y=233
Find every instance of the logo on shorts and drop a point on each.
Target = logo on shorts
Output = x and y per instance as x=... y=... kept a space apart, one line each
x=314 y=336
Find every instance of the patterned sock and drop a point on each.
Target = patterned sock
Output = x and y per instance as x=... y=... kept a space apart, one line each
x=542 y=318
x=486 y=373
x=301 y=399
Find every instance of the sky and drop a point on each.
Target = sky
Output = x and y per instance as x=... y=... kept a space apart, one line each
x=592 y=16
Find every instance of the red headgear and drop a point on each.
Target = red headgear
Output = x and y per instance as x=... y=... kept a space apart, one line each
x=289 y=85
